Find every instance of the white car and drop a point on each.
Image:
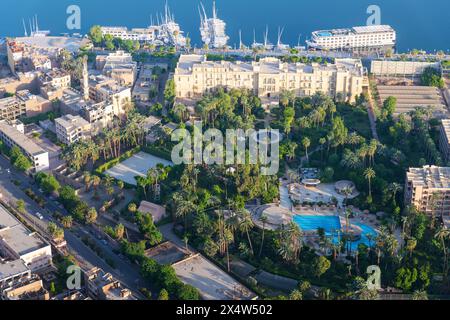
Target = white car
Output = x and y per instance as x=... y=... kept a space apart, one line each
x=40 y=216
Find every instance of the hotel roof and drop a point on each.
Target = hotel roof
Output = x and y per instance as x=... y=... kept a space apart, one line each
x=16 y=236
x=71 y=122
x=430 y=177
x=188 y=63
x=20 y=139
x=70 y=44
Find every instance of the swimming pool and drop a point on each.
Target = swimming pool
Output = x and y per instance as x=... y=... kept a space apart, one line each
x=333 y=228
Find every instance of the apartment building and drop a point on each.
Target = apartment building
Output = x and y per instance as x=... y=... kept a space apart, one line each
x=103 y=88
x=18 y=243
x=118 y=66
x=11 y=108
x=34 y=104
x=267 y=78
x=28 y=288
x=99 y=115
x=56 y=78
x=428 y=189
x=103 y=286
x=13 y=137
x=70 y=129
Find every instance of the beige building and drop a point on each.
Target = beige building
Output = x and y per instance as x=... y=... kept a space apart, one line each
x=428 y=189
x=34 y=104
x=56 y=78
x=70 y=128
x=100 y=115
x=103 y=88
x=31 y=288
x=444 y=139
x=119 y=66
x=103 y=286
x=267 y=78
x=11 y=108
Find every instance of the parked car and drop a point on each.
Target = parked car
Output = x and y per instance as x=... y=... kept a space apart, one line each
x=40 y=216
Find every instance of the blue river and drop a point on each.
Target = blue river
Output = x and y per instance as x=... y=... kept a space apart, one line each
x=421 y=24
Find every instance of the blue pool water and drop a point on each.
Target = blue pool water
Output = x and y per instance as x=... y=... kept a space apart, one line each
x=332 y=227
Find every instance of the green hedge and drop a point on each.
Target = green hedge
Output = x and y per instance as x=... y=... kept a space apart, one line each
x=158 y=152
x=108 y=165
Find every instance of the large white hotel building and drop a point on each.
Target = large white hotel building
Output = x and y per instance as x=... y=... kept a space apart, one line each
x=267 y=78
x=377 y=37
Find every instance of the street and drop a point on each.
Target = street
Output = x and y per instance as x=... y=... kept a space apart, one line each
x=10 y=193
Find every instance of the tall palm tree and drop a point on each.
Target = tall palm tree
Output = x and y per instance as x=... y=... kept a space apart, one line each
x=306 y=143
x=369 y=174
x=443 y=234
x=184 y=207
x=246 y=224
x=263 y=220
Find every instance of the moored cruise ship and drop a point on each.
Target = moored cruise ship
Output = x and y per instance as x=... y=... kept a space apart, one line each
x=365 y=38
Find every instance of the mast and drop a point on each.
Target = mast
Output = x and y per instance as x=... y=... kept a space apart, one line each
x=214 y=10
x=266 y=35
x=240 y=39
x=25 y=28
x=37 y=25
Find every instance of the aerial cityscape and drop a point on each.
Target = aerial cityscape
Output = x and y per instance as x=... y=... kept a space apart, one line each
x=154 y=162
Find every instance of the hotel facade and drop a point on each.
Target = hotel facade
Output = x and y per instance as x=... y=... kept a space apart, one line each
x=428 y=190
x=195 y=76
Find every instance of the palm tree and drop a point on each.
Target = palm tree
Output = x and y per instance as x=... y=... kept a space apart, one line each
x=369 y=174
x=443 y=235
x=246 y=224
x=411 y=244
x=306 y=144
x=184 y=207
x=420 y=295
x=95 y=181
x=394 y=188
x=87 y=180
x=67 y=222
x=263 y=220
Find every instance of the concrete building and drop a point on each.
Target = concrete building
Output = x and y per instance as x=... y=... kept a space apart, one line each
x=195 y=76
x=99 y=115
x=39 y=52
x=12 y=271
x=11 y=108
x=398 y=68
x=29 y=288
x=118 y=66
x=18 y=243
x=444 y=139
x=56 y=78
x=70 y=128
x=428 y=189
x=34 y=104
x=20 y=81
x=103 y=88
x=13 y=137
x=377 y=37
x=103 y=286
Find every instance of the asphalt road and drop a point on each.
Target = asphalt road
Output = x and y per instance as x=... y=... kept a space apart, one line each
x=125 y=271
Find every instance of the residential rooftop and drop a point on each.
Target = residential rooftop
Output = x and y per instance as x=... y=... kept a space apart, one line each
x=17 y=237
x=20 y=139
x=12 y=268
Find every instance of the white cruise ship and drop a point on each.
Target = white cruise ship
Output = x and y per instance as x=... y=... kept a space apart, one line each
x=365 y=37
x=212 y=29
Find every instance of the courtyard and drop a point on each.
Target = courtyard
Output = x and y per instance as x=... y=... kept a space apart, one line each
x=137 y=165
